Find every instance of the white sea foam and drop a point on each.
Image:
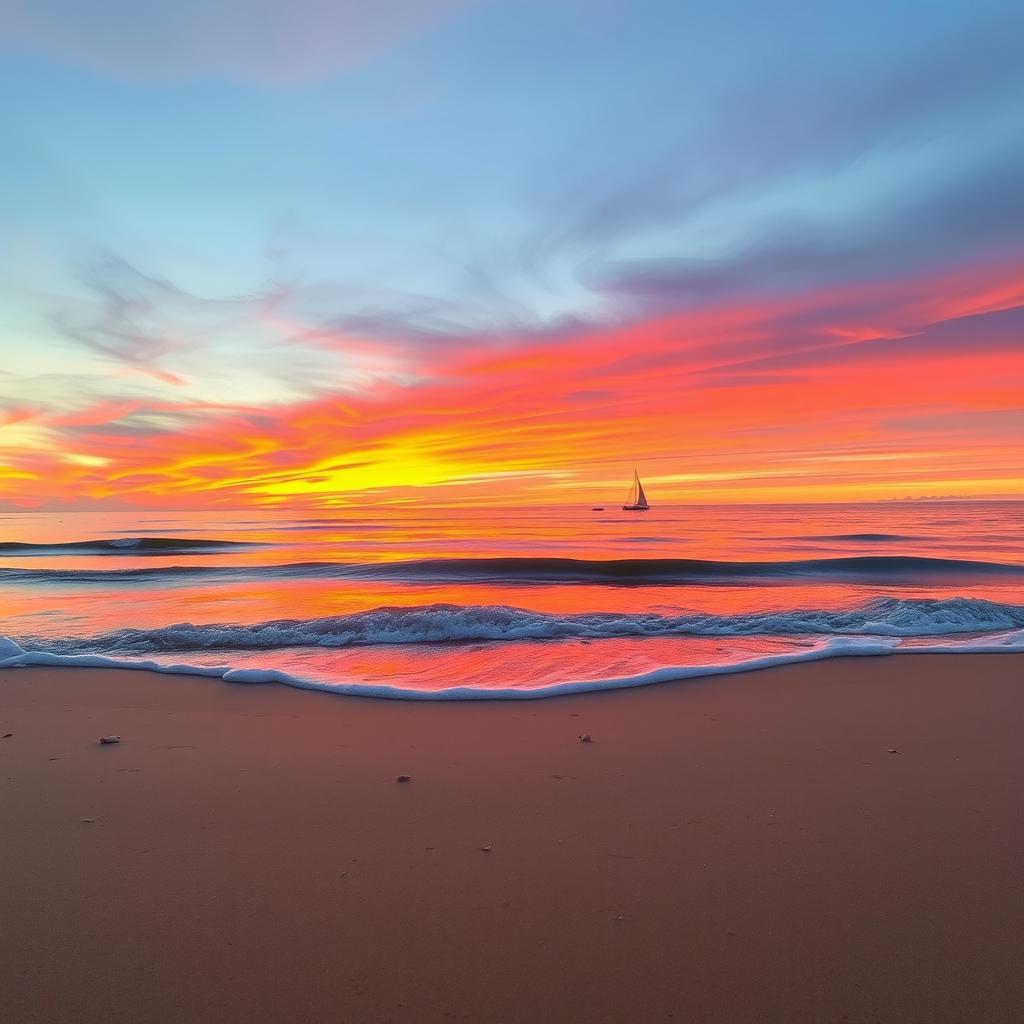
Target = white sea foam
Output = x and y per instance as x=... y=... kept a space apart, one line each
x=833 y=647
x=9 y=649
x=443 y=623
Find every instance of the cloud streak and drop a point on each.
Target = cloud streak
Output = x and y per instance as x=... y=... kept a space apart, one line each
x=509 y=423
x=763 y=265
x=266 y=42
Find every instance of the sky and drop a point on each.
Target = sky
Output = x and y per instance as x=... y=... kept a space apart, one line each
x=319 y=254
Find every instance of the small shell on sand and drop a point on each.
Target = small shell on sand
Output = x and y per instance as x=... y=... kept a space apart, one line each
x=110 y=739
x=486 y=849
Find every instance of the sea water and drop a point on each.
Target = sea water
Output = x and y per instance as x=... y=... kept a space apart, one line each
x=507 y=602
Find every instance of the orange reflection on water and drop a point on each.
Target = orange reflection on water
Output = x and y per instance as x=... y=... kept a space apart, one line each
x=107 y=600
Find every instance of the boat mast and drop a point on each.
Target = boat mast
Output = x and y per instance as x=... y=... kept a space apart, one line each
x=637 y=500
x=641 y=498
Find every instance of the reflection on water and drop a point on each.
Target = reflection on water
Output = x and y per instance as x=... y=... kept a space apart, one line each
x=61 y=606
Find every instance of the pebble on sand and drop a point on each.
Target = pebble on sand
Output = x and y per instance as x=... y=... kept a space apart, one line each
x=486 y=849
x=403 y=778
x=586 y=738
x=110 y=739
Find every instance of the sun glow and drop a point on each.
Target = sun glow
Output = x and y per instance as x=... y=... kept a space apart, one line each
x=720 y=404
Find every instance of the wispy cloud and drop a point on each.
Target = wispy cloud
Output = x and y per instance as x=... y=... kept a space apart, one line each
x=675 y=392
x=782 y=187
x=763 y=269
x=268 y=42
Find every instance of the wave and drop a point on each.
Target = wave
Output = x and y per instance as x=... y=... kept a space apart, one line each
x=13 y=656
x=642 y=570
x=125 y=546
x=447 y=623
x=512 y=570
x=862 y=538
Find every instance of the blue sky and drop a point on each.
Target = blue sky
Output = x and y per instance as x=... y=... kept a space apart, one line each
x=520 y=140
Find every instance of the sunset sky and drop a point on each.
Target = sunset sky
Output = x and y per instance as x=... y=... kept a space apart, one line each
x=459 y=251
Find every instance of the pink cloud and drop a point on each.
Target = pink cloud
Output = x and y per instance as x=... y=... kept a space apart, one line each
x=784 y=399
x=262 y=41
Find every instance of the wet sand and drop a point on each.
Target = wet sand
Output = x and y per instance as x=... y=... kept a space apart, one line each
x=739 y=849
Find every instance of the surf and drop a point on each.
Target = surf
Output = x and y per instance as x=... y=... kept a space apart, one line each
x=448 y=623
x=13 y=656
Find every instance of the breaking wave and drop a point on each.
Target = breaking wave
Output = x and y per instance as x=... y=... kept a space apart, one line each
x=446 y=623
x=14 y=656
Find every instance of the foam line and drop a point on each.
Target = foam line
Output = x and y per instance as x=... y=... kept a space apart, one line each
x=448 y=623
x=12 y=656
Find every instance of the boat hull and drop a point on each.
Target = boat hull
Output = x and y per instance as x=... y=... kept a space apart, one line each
x=635 y=508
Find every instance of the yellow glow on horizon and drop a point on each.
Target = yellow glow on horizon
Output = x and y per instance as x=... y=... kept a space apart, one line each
x=78 y=459
x=714 y=405
x=393 y=468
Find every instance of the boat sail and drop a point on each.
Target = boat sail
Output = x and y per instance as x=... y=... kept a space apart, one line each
x=637 y=500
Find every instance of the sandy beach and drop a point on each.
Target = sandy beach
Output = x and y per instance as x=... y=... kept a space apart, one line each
x=838 y=841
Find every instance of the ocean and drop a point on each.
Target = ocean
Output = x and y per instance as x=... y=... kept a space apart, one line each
x=469 y=603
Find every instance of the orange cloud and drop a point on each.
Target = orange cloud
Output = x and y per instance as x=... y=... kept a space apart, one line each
x=870 y=392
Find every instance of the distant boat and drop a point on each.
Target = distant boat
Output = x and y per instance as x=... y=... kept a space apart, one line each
x=597 y=508
x=637 y=500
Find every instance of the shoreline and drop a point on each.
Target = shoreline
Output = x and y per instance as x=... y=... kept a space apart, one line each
x=834 y=646
x=746 y=849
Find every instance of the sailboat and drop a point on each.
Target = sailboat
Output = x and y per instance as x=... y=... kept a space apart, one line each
x=637 y=500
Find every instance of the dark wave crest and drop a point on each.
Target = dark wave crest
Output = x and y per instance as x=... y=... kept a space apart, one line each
x=680 y=570
x=125 y=546
x=541 y=571
x=862 y=538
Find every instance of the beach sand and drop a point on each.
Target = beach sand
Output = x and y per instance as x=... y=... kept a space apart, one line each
x=747 y=848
